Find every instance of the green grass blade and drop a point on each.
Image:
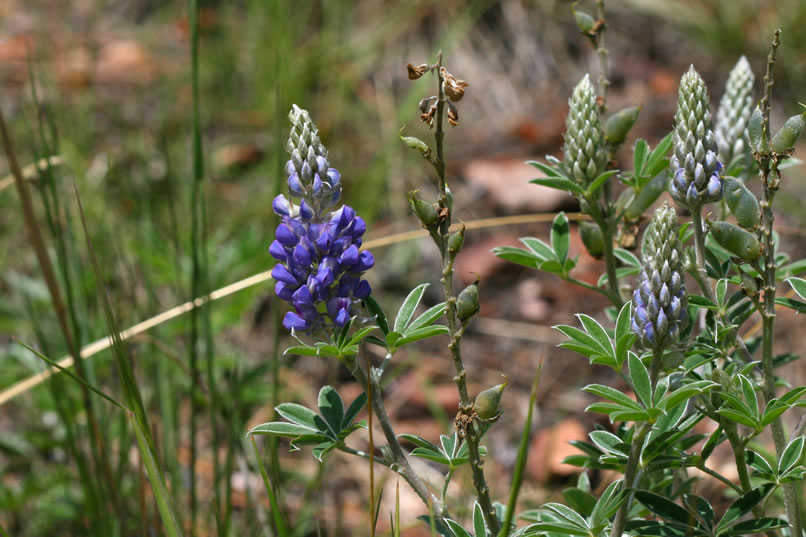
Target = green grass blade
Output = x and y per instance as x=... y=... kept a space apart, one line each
x=279 y=525
x=523 y=452
x=161 y=495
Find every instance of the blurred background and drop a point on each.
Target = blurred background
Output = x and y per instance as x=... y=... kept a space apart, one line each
x=106 y=87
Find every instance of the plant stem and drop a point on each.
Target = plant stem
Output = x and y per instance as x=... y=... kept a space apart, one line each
x=607 y=249
x=601 y=51
x=400 y=462
x=448 y=477
x=770 y=179
x=455 y=330
x=642 y=429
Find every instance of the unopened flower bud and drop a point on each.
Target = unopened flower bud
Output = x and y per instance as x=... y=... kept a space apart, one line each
x=467 y=303
x=697 y=172
x=585 y=154
x=455 y=241
x=755 y=128
x=487 y=401
x=733 y=115
x=749 y=284
x=584 y=21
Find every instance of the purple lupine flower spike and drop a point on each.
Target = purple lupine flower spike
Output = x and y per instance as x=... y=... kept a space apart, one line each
x=697 y=178
x=321 y=263
x=660 y=301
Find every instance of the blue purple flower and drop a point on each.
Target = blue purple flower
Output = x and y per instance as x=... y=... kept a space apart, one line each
x=321 y=265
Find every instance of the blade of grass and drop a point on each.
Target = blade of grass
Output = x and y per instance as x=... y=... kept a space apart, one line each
x=523 y=453
x=279 y=525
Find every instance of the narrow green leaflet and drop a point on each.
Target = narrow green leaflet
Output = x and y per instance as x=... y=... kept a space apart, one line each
x=559 y=183
x=410 y=304
x=799 y=286
x=791 y=456
x=593 y=342
x=639 y=377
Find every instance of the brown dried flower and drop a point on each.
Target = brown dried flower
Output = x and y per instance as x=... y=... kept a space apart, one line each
x=416 y=72
x=454 y=87
x=453 y=115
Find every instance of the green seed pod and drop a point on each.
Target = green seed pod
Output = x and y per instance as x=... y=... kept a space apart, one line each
x=467 y=303
x=486 y=403
x=455 y=241
x=647 y=196
x=749 y=284
x=785 y=139
x=755 y=128
x=584 y=21
x=425 y=211
x=743 y=203
x=619 y=124
x=736 y=240
x=591 y=236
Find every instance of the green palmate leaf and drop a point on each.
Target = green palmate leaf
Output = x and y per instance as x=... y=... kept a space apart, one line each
x=375 y=309
x=796 y=305
x=608 y=503
x=353 y=410
x=758 y=463
x=659 y=155
x=582 y=501
x=758 y=525
x=685 y=392
x=791 y=456
x=609 y=442
x=555 y=527
x=320 y=450
x=478 y=521
x=597 y=183
x=332 y=408
x=702 y=302
x=639 y=377
x=700 y=507
x=612 y=394
x=449 y=444
x=542 y=250
x=627 y=257
x=743 y=505
x=288 y=430
x=560 y=236
x=593 y=328
x=407 y=308
x=749 y=393
x=457 y=529
x=664 y=508
x=298 y=414
x=657 y=528
x=799 y=285
x=567 y=514
x=743 y=417
x=545 y=168
x=640 y=153
x=428 y=317
x=421 y=333
x=518 y=256
x=559 y=183
x=356 y=338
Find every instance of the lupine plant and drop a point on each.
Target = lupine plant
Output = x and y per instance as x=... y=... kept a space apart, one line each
x=678 y=309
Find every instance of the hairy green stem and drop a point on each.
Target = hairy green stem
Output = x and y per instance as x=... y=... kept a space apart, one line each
x=630 y=472
x=601 y=51
x=614 y=294
x=398 y=455
x=473 y=436
x=770 y=179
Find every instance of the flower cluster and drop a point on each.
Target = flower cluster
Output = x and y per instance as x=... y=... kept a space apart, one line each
x=734 y=113
x=660 y=301
x=320 y=263
x=585 y=151
x=697 y=177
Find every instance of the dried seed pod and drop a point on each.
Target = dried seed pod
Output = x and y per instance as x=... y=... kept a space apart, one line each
x=487 y=401
x=591 y=235
x=743 y=203
x=736 y=240
x=619 y=124
x=785 y=139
